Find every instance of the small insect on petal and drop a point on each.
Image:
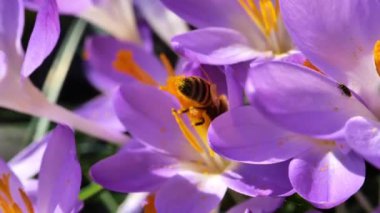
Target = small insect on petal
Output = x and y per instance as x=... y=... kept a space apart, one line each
x=345 y=90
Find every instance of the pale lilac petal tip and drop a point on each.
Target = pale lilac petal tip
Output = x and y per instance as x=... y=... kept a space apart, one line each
x=363 y=136
x=217 y=46
x=259 y=180
x=327 y=178
x=59 y=188
x=44 y=37
x=192 y=195
x=133 y=170
x=27 y=163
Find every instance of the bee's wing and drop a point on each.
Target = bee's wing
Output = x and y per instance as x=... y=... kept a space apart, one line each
x=214 y=94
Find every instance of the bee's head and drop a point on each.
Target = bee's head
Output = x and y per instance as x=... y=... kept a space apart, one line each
x=179 y=86
x=173 y=85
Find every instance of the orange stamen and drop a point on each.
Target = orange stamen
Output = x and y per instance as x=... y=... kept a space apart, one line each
x=376 y=55
x=7 y=203
x=277 y=7
x=4 y=186
x=268 y=13
x=265 y=16
x=26 y=200
x=307 y=63
x=168 y=67
x=4 y=205
x=125 y=63
x=253 y=12
x=186 y=132
x=149 y=206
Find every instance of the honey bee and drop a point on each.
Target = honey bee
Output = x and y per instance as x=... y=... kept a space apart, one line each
x=198 y=98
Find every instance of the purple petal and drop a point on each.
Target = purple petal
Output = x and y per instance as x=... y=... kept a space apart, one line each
x=216 y=46
x=60 y=175
x=165 y=23
x=147 y=113
x=136 y=170
x=192 y=195
x=11 y=27
x=65 y=6
x=27 y=163
x=350 y=29
x=214 y=13
x=44 y=37
x=258 y=204
x=243 y=134
x=236 y=76
x=301 y=99
x=102 y=52
x=363 y=136
x=325 y=177
x=101 y=110
x=259 y=180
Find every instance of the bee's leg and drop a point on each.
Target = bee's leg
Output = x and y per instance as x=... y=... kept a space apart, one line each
x=200 y=122
x=183 y=110
x=196 y=116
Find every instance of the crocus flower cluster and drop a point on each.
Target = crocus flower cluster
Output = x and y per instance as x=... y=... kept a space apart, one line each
x=252 y=102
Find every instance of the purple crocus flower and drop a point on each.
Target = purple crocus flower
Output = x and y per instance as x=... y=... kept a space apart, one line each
x=327 y=124
x=111 y=63
x=16 y=91
x=230 y=31
x=167 y=153
x=56 y=189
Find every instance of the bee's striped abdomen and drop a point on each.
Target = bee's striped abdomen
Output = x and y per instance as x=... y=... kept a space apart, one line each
x=197 y=90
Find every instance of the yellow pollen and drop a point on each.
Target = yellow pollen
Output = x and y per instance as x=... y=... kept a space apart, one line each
x=165 y=61
x=125 y=63
x=7 y=203
x=186 y=132
x=265 y=16
x=376 y=55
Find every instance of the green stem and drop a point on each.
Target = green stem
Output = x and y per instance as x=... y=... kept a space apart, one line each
x=109 y=201
x=363 y=202
x=58 y=71
x=90 y=191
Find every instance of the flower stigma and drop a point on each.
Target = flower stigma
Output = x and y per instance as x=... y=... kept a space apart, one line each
x=266 y=16
x=7 y=202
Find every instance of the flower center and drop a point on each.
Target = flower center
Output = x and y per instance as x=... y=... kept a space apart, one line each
x=376 y=55
x=198 y=99
x=7 y=202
